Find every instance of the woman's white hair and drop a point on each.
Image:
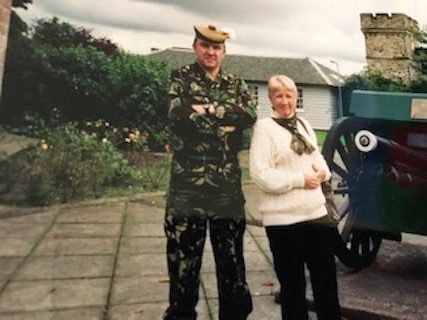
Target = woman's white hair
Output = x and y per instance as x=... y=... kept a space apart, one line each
x=281 y=81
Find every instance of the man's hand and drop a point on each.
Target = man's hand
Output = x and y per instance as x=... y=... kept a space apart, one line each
x=228 y=129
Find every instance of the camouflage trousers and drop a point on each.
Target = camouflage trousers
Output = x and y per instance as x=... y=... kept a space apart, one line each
x=185 y=241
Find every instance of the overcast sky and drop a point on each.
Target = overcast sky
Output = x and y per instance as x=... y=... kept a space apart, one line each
x=323 y=30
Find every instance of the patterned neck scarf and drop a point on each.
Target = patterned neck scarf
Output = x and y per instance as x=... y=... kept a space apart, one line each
x=299 y=143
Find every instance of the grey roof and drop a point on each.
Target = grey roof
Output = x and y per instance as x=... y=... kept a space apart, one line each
x=260 y=69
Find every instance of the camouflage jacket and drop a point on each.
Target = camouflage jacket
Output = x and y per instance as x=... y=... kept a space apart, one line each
x=197 y=135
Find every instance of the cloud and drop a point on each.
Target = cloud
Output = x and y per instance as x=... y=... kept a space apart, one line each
x=125 y=14
x=324 y=29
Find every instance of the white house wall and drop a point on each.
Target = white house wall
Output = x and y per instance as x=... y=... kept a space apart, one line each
x=320 y=105
x=264 y=105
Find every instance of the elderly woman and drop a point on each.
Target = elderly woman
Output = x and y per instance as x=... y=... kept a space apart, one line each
x=287 y=166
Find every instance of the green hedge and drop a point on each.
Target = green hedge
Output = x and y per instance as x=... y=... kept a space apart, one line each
x=82 y=83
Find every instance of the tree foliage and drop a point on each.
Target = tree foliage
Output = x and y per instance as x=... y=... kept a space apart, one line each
x=374 y=81
x=377 y=82
x=62 y=34
x=21 y=3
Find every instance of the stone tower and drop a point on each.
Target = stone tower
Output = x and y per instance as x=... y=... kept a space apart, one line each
x=390 y=43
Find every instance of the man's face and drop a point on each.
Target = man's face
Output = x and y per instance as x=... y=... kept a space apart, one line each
x=209 y=55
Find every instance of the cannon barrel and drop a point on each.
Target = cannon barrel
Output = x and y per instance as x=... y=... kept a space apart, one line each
x=365 y=141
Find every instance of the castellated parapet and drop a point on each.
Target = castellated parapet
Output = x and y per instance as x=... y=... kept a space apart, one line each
x=390 y=43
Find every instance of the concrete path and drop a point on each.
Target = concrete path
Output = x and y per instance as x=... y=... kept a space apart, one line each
x=107 y=261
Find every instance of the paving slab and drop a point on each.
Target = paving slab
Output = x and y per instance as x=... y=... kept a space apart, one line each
x=249 y=244
x=14 y=229
x=254 y=261
x=264 y=308
x=256 y=231
x=141 y=265
x=261 y=283
x=252 y=196
x=139 y=245
x=53 y=294
x=107 y=213
x=150 y=311
x=143 y=213
x=264 y=249
x=16 y=247
x=143 y=230
x=84 y=230
x=76 y=246
x=140 y=289
x=69 y=314
x=8 y=265
x=66 y=267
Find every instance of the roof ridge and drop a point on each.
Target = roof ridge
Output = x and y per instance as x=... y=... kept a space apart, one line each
x=185 y=49
x=319 y=70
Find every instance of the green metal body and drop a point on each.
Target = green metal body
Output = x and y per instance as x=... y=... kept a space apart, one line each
x=385 y=205
x=387 y=105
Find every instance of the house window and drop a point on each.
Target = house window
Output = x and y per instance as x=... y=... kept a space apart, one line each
x=300 y=104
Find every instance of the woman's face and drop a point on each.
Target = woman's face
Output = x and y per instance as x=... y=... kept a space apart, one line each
x=284 y=102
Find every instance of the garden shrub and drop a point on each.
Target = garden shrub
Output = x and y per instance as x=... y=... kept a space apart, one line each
x=72 y=164
x=154 y=169
x=124 y=138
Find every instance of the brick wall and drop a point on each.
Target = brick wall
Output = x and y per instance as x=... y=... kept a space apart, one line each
x=5 y=7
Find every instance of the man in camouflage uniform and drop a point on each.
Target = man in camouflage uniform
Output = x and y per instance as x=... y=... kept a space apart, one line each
x=209 y=108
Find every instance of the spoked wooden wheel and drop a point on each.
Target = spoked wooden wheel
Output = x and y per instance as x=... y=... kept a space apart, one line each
x=355 y=247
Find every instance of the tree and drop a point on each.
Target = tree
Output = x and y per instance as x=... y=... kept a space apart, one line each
x=374 y=81
x=62 y=34
x=420 y=57
x=21 y=3
x=58 y=73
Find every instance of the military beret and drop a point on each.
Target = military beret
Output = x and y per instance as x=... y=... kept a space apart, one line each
x=211 y=33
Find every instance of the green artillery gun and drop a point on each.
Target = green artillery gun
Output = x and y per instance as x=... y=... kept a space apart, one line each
x=378 y=160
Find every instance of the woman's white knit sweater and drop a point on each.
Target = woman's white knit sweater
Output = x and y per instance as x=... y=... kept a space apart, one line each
x=279 y=172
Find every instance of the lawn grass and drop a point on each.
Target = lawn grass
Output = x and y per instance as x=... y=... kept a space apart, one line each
x=321 y=136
